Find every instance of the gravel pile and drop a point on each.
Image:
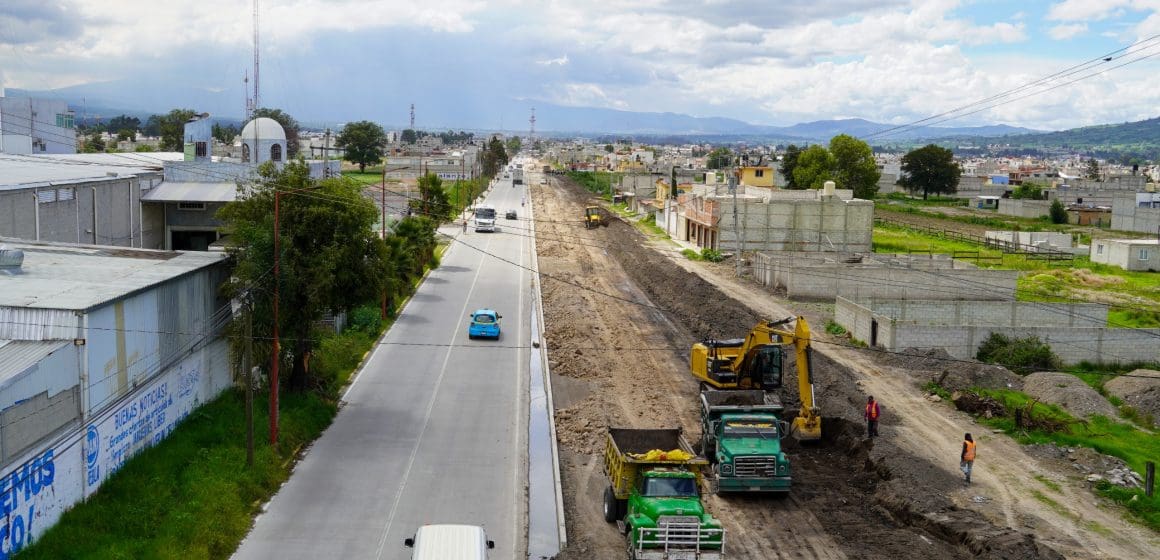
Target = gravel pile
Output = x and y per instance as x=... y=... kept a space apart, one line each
x=1140 y=389
x=1069 y=392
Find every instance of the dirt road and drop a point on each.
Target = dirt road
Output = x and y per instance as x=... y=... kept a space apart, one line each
x=620 y=319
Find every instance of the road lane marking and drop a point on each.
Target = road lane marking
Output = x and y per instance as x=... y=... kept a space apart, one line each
x=427 y=414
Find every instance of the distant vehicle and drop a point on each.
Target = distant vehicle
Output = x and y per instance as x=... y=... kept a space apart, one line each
x=485 y=217
x=518 y=176
x=484 y=324
x=449 y=542
x=511 y=214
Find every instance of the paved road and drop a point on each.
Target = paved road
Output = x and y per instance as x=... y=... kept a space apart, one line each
x=434 y=429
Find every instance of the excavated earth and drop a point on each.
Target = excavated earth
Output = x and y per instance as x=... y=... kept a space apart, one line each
x=620 y=319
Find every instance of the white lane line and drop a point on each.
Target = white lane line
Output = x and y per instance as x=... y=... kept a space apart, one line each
x=427 y=414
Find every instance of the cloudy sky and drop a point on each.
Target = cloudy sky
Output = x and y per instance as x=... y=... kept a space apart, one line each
x=761 y=61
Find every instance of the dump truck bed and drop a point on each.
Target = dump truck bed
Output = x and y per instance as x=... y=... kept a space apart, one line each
x=623 y=443
x=730 y=400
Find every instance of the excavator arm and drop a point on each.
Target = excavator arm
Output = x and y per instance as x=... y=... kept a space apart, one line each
x=808 y=424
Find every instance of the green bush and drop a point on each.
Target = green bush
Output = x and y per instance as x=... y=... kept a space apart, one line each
x=1020 y=355
x=1058 y=213
x=691 y=255
x=711 y=255
x=835 y=329
x=368 y=319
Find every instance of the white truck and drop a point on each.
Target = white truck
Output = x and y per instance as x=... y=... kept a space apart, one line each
x=517 y=176
x=485 y=217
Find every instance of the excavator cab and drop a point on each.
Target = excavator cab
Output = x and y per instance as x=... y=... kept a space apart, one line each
x=763 y=367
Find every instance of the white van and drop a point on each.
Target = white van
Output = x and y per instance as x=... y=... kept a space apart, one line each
x=449 y=542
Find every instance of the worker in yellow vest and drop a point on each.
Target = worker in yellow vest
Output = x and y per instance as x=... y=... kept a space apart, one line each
x=967 y=458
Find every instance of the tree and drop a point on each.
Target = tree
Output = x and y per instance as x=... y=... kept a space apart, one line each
x=124 y=126
x=409 y=136
x=719 y=158
x=789 y=162
x=94 y=144
x=289 y=126
x=513 y=145
x=126 y=135
x=608 y=148
x=331 y=259
x=225 y=134
x=433 y=201
x=363 y=142
x=494 y=157
x=854 y=166
x=814 y=167
x=1028 y=190
x=1057 y=212
x=1092 y=171
x=930 y=169
x=1020 y=355
x=171 y=128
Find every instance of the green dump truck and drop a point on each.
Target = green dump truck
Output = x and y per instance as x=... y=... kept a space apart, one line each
x=654 y=496
x=741 y=436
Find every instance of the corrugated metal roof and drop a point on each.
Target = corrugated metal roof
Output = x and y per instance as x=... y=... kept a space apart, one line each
x=80 y=277
x=19 y=355
x=192 y=192
x=24 y=171
x=449 y=542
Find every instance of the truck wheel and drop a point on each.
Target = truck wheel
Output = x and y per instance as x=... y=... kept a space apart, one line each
x=611 y=507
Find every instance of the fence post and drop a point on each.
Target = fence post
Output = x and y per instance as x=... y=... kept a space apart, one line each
x=1149 y=477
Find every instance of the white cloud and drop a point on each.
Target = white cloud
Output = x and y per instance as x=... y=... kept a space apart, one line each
x=587 y=95
x=559 y=61
x=1085 y=10
x=1067 y=31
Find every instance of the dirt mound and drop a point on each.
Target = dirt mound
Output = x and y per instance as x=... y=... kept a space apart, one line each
x=1069 y=392
x=1140 y=389
x=935 y=364
x=1093 y=465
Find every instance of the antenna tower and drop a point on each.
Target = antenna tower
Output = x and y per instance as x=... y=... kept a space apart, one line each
x=412 y=116
x=532 y=124
x=257 y=63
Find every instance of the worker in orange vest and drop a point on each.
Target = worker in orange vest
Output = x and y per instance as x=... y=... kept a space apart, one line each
x=967 y=459
x=872 y=413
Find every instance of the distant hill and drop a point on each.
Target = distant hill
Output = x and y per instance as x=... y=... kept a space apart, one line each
x=1139 y=133
x=479 y=112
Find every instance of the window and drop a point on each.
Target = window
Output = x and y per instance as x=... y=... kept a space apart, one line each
x=65 y=194
x=245 y=153
x=1100 y=249
x=276 y=152
x=191 y=206
x=1144 y=254
x=44 y=197
x=199 y=149
x=759 y=173
x=65 y=120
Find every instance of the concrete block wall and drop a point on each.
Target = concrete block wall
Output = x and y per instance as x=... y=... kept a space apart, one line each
x=854 y=317
x=1024 y=208
x=798 y=225
x=1072 y=345
x=1127 y=216
x=824 y=282
x=991 y=313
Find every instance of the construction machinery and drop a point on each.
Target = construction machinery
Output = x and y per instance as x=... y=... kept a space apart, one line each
x=654 y=497
x=593 y=217
x=741 y=432
x=756 y=362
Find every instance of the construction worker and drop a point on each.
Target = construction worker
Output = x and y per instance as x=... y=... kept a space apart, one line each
x=967 y=458
x=872 y=414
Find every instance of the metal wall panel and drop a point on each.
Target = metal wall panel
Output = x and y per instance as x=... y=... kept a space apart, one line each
x=23 y=323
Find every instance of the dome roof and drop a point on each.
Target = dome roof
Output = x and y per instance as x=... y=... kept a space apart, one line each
x=267 y=129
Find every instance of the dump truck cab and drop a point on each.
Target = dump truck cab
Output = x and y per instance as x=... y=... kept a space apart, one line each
x=741 y=432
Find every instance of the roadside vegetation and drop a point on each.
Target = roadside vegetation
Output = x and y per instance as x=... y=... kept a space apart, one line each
x=596 y=182
x=193 y=495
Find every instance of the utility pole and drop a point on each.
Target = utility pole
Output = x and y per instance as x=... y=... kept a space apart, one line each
x=274 y=356
x=249 y=365
x=736 y=230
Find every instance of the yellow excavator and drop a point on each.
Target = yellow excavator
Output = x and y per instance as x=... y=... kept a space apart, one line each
x=593 y=217
x=755 y=362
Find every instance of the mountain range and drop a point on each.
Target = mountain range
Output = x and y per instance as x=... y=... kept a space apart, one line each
x=112 y=98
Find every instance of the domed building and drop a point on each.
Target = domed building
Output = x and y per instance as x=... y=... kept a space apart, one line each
x=265 y=138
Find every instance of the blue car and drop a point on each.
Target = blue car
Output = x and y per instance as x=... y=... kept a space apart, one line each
x=484 y=324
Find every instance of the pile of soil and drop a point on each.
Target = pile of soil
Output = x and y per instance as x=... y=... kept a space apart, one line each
x=1139 y=389
x=1069 y=393
x=935 y=364
x=851 y=498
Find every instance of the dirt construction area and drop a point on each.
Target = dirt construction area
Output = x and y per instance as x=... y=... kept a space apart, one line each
x=621 y=313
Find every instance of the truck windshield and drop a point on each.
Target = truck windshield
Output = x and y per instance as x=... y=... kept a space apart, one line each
x=661 y=487
x=485 y=213
x=762 y=430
